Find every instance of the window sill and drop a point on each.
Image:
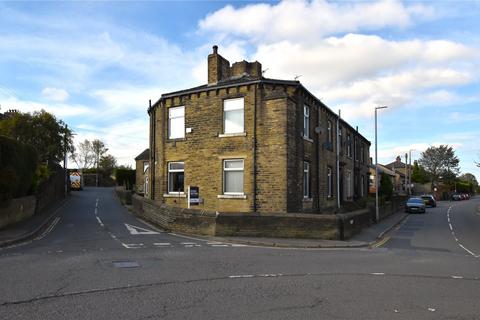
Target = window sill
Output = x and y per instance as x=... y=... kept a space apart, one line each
x=232 y=196
x=226 y=135
x=176 y=139
x=307 y=139
x=307 y=199
x=175 y=195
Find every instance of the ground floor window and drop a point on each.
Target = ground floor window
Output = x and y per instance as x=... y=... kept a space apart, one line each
x=329 y=182
x=233 y=176
x=176 y=177
x=349 y=184
x=306 y=179
x=362 y=186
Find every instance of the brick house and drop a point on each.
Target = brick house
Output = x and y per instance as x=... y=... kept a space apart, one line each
x=252 y=144
x=142 y=164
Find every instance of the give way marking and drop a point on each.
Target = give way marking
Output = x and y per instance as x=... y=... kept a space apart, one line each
x=138 y=230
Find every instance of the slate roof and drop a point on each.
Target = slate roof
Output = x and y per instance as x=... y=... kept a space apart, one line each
x=145 y=155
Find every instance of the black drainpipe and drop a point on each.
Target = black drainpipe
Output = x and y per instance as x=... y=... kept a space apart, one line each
x=255 y=149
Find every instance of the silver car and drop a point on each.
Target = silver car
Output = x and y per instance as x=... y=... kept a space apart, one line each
x=415 y=205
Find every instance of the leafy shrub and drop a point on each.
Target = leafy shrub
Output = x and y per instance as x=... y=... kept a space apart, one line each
x=125 y=177
x=386 y=186
x=18 y=163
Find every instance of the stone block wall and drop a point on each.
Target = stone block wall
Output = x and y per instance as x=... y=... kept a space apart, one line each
x=203 y=222
x=17 y=210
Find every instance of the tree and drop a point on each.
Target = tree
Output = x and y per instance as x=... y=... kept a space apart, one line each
x=419 y=175
x=50 y=137
x=440 y=162
x=386 y=186
x=99 y=150
x=468 y=177
x=107 y=164
x=83 y=155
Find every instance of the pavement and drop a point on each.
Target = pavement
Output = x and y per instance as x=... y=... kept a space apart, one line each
x=31 y=228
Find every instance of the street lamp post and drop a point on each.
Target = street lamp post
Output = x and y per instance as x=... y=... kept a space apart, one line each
x=409 y=168
x=377 y=213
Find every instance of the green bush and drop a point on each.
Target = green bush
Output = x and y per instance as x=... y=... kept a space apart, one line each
x=125 y=177
x=18 y=163
x=386 y=187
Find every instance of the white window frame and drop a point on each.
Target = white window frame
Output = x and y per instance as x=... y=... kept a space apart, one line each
x=349 y=183
x=146 y=164
x=306 y=121
x=349 y=145
x=329 y=182
x=233 y=169
x=235 y=108
x=170 y=118
x=172 y=171
x=340 y=142
x=362 y=186
x=306 y=180
x=329 y=131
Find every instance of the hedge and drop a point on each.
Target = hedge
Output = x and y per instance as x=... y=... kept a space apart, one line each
x=18 y=163
x=125 y=177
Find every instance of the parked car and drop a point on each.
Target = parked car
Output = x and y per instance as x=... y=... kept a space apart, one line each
x=415 y=205
x=429 y=200
x=456 y=197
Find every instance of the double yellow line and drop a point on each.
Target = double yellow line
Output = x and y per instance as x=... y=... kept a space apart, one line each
x=380 y=243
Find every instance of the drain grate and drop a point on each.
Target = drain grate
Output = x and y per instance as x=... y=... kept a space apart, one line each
x=126 y=264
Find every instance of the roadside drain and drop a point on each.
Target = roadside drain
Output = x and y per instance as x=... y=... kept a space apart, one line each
x=126 y=264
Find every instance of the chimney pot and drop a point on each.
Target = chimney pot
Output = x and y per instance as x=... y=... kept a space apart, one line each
x=215 y=49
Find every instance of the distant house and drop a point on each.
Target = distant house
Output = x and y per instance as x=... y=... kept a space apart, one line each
x=403 y=171
x=381 y=169
x=142 y=164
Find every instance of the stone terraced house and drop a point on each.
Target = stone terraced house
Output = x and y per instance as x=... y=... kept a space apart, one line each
x=253 y=144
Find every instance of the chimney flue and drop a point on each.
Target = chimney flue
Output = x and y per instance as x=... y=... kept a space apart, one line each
x=215 y=49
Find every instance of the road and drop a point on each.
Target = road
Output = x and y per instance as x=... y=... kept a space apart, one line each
x=97 y=261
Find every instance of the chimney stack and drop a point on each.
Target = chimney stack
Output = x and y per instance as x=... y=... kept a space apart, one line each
x=218 y=67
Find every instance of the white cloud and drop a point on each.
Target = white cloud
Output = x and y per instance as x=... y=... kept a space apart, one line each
x=308 y=20
x=60 y=110
x=125 y=140
x=55 y=94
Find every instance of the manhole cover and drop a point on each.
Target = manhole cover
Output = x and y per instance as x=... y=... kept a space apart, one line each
x=126 y=264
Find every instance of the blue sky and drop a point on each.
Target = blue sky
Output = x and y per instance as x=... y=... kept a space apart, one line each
x=96 y=64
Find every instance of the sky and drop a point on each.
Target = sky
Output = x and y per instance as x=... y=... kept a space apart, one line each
x=96 y=64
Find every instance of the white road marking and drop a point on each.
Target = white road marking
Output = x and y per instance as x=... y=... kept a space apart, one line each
x=100 y=222
x=133 y=245
x=238 y=245
x=162 y=244
x=431 y=309
x=455 y=237
x=242 y=276
x=219 y=245
x=377 y=273
x=187 y=243
x=134 y=230
x=457 y=277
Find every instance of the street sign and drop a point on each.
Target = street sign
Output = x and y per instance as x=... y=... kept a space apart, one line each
x=193 y=195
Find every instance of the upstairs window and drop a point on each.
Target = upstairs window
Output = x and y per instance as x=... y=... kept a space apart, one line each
x=145 y=166
x=362 y=154
x=233 y=110
x=329 y=131
x=306 y=121
x=306 y=179
x=340 y=140
x=349 y=145
x=176 y=177
x=176 y=123
x=233 y=176
x=329 y=182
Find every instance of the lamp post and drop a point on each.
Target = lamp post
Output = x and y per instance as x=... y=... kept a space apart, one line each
x=409 y=168
x=377 y=213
